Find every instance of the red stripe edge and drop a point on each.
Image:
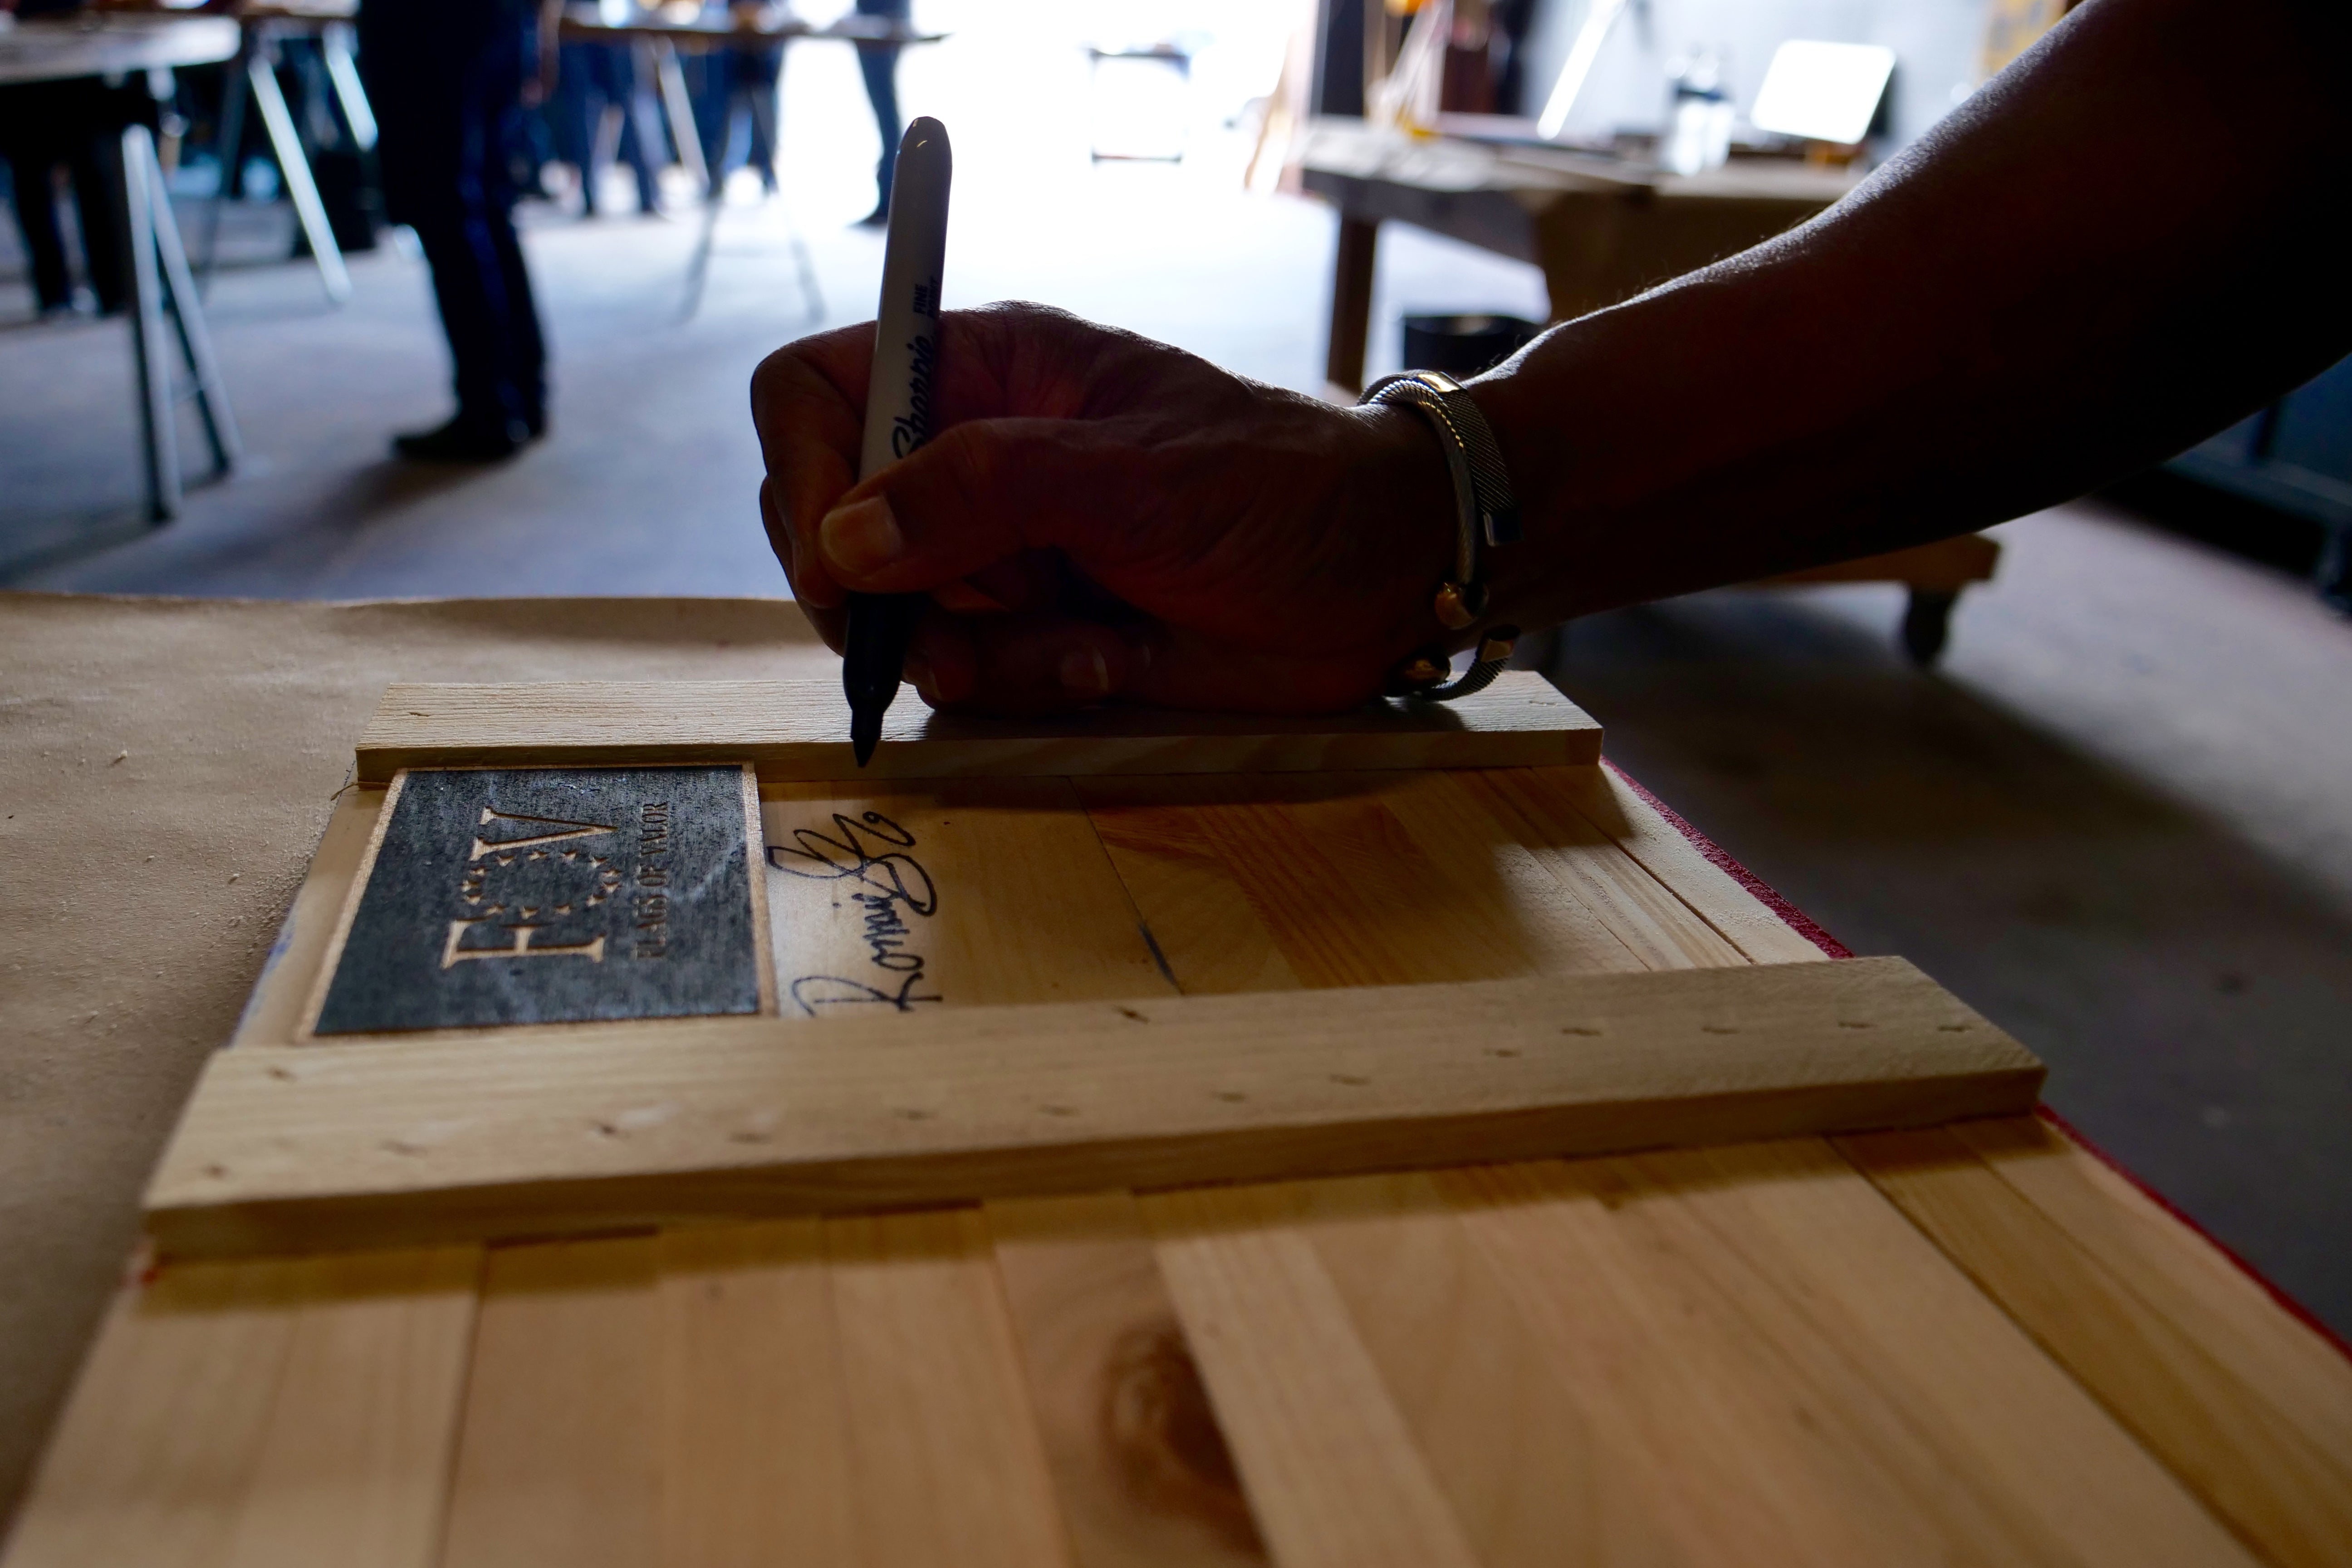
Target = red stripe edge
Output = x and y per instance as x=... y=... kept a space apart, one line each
x=1804 y=925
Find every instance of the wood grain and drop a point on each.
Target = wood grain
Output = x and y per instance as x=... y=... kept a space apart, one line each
x=2249 y=1406
x=1140 y=1466
x=559 y=1460
x=947 y=1463
x=799 y=730
x=1201 y=923
x=274 y=1012
x=155 y=1453
x=973 y=892
x=1329 y=1465
x=1604 y=799
x=505 y=1135
x=754 y=1430
x=1805 y=1380
x=1533 y=1480
x=262 y=1415
x=354 y=1466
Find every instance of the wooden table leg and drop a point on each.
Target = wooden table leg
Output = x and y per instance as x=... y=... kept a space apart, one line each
x=1351 y=303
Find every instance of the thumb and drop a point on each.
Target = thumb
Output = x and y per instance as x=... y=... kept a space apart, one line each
x=981 y=492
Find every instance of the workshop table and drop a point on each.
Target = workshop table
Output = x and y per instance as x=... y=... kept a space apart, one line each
x=68 y=48
x=1973 y=1343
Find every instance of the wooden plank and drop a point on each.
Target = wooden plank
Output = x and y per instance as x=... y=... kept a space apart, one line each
x=1743 y=919
x=1329 y=1465
x=799 y=730
x=558 y=1464
x=1202 y=924
x=1370 y=879
x=355 y=1468
x=507 y=1135
x=755 y=1434
x=947 y=1463
x=1533 y=1481
x=1140 y=1466
x=273 y=1014
x=958 y=892
x=157 y=1451
x=263 y=1413
x=1805 y=1380
x=2249 y=1406
x=1657 y=927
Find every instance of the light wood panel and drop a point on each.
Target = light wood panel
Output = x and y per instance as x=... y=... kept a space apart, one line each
x=948 y=893
x=1533 y=1479
x=1202 y=924
x=1604 y=798
x=261 y=1415
x=1329 y=1465
x=2251 y=1408
x=1140 y=1469
x=505 y=1135
x=1806 y=1379
x=273 y=1015
x=153 y=1457
x=800 y=730
x=559 y=1459
x=947 y=1463
x=354 y=1466
x=754 y=1427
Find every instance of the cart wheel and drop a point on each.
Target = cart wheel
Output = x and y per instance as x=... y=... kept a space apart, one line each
x=1928 y=625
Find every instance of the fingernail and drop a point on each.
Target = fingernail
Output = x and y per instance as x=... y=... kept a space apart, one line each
x=860 y=539
x=1084 y=671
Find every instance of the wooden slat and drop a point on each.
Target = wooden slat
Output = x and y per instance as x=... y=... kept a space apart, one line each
x=2251 y=1407
x=947 y=1463
x=1805 y=1380
x=355 y=1468
x=262 y=1415
x=1141 y=1472
x=1710 y=891
x=800 y=730
x=1329 y=1465
x=1533 y=1479
x=273 y=1015
x=971 y=891
x=558 y=1464
x=1539 y=808
x=504 y=1135
x=1203 y=925
x=755 y=1434
x=154 y=1456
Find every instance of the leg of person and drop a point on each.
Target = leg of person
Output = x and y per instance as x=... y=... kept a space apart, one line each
x=447 y=78
x=879 y=65
x=641 y=132
x=98 y=204
x=574 y=114
x=36 y=218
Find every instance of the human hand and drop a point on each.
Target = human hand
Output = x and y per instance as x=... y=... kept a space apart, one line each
x=1101 y=516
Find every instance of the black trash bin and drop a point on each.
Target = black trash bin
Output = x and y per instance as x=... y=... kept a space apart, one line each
x=1464 y=346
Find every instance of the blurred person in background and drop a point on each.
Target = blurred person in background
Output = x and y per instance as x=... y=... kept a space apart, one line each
x=448 y=79
x=596 y=79
x=879 y=65
x=51 y=126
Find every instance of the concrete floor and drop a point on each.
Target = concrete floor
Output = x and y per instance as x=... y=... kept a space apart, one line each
x=2118 y=820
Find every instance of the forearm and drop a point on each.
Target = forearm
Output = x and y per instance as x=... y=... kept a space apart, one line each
x=2110 y=252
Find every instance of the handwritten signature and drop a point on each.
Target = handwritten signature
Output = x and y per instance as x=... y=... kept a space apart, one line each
x=891 y=886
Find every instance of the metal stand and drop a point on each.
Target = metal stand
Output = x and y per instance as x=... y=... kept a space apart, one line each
x=258 y=80
x=160 y=277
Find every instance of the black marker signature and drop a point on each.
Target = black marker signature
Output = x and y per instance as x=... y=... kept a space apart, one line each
x=871 y=851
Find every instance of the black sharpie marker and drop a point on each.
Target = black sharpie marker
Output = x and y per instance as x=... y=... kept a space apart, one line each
x=899 y=410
